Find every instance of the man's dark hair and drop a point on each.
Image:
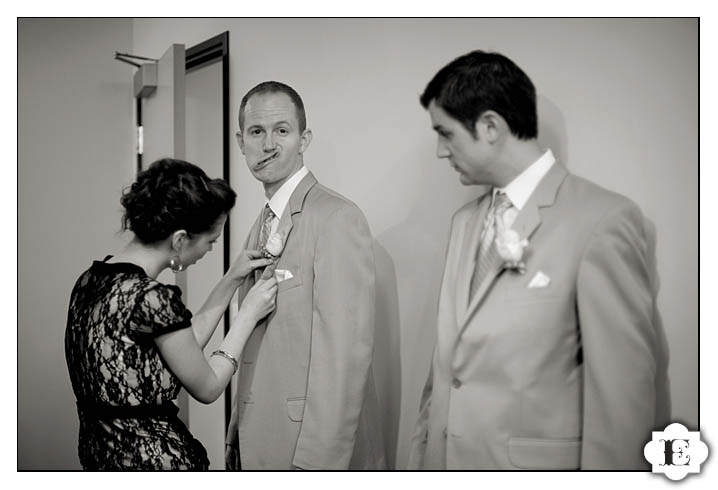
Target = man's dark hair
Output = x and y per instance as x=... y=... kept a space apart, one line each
x=479 y=81
x=272 y=87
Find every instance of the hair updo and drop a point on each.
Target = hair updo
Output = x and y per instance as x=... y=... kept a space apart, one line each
x=173 y=195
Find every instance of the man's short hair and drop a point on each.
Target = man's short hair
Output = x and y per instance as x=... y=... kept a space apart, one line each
x=271 y=87
x=479 y=81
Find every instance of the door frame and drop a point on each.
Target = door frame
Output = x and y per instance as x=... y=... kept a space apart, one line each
x=213 y=50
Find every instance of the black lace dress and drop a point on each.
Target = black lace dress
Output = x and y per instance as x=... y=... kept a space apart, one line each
x=124 y=390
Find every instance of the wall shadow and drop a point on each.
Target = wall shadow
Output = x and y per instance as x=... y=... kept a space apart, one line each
x=387 y=341
x=552 y=129
x=416 y=246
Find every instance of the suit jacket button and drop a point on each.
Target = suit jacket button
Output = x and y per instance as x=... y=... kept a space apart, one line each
x=456 y=383
x=446 y=434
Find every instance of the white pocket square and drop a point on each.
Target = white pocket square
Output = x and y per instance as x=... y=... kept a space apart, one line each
x=540 y=280
x=282 y=275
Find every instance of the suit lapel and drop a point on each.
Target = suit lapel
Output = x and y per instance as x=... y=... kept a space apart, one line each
x=286 y=221
x=253 y=243
x=527 y=222
x=295 y=206
x=469 y=248
x=253 y=239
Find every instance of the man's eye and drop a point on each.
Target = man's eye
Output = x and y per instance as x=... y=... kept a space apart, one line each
x=282 y=131
x=256 y=131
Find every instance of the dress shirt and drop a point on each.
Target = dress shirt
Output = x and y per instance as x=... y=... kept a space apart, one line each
x=279 y=200
x=520 y=189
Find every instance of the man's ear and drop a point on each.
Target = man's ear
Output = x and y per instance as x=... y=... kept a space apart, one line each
x=179 y=238
x=490 y=126
x=240 y=141
x=306 y=138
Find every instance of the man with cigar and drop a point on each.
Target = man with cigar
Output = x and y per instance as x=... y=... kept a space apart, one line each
x=306 y=397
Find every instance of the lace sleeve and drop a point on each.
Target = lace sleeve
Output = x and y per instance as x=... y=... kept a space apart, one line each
x=159 y=310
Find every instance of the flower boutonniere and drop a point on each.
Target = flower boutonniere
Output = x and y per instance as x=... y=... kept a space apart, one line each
x=511 y=249
x=274 y=246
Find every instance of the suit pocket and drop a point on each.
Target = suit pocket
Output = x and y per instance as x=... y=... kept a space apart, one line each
x=290 y=283
x=295 y=408
x=534 y=295
x=545 y=454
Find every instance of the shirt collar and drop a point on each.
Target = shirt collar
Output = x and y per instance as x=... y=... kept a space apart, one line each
x=520 y=189
x=279 y=200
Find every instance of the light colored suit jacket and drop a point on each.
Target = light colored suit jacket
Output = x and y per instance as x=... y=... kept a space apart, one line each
x=306 y=394
x=568 y=376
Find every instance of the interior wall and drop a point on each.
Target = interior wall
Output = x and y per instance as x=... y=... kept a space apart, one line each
x=75 y=153
x=617 y=103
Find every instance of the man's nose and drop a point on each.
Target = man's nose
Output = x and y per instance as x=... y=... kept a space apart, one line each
x=441 y=150
x=268 y=142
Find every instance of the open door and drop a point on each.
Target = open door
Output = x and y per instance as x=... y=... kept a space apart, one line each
x=187 y=117
x=163 y=111
x=161 y=135
x=207 y=146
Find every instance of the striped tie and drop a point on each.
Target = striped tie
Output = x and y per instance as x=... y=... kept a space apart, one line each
x=268 y=216
x=487 y=252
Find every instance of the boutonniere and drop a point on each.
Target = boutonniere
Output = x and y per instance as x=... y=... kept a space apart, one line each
x=274 y=246
x=511 y=249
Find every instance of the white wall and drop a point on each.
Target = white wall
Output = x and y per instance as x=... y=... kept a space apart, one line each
x=617 y=103
x=75 y=153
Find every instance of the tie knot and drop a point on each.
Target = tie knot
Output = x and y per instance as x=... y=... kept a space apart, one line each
x=501 y=202
x=268 y=213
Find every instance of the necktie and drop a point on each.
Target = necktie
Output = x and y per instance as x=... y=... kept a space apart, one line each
x=267 y=217
x=487 y=252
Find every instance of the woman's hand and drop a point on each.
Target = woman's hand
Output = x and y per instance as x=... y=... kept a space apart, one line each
x=245 y=263
x=260 y=300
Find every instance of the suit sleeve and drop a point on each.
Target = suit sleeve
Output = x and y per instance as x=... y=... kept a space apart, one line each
x=620 y=341
x=342 y=341
x=420 y=437
x=663 y=386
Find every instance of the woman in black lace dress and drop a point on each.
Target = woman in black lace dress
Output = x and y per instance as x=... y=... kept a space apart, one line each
x=130 y=343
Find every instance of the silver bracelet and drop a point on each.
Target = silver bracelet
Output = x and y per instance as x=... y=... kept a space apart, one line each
x=226 y=356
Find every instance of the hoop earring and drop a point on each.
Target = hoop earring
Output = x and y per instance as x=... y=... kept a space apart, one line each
x=176 y=264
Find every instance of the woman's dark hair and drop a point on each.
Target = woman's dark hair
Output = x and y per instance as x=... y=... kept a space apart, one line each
x=173 y=195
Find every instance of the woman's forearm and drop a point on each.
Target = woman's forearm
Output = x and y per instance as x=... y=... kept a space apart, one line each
x=205 y=379
x=205 y=321
x=233 y=344
x=222 y=369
